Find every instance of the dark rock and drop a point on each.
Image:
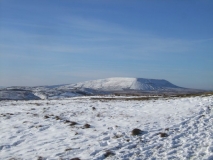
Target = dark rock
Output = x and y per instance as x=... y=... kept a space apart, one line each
x=136 y=131
x=87 y=126
x=163 y=134
x=72 y=123
x=75 y=158
x=108 y=153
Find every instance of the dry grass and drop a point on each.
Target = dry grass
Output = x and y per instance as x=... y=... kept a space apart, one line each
x=145 y=98
x=46 y=116
x=57 y=118
x=166 y=129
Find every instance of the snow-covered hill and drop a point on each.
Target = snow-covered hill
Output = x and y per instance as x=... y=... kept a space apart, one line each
x=96 y=87
x=119 y=84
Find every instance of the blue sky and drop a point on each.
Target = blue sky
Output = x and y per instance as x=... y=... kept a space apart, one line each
x=62 y=41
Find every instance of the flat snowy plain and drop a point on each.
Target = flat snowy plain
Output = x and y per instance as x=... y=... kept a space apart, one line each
x=46 y=129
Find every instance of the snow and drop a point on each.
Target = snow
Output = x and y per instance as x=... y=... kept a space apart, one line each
x=123 y=83
x=44 y=128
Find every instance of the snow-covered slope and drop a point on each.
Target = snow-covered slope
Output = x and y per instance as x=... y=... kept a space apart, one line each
x=172 y=129
x=119 y=84
x=17 y=95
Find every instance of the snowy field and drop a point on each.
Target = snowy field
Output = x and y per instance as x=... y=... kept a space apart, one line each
x=84 y=128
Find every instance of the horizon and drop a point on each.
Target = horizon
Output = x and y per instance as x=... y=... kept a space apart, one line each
x=62 y=42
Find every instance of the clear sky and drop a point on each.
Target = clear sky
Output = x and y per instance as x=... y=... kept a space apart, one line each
x=46 y=42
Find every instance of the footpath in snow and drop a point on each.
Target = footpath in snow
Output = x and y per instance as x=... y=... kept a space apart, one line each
x=171 y=128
